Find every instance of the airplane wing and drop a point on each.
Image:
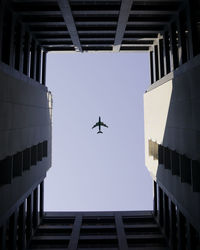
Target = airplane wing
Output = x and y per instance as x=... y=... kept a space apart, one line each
x=103 y=124
x=97 y=124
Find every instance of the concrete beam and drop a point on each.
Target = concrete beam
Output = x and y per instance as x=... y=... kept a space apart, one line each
x=75 y=233
x=122 y=21
x=120 y=232
x=136 y=1
x=115 y=12
x=44 y=59
x=69 y=21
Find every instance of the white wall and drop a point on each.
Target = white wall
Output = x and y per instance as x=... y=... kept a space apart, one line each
x=172 y=118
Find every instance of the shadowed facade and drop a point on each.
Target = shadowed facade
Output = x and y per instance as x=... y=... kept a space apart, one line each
x=169 y=31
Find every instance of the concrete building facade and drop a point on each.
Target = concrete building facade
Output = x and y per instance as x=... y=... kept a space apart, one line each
x=169 y=31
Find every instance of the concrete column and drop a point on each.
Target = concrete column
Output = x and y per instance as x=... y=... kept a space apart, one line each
x=120 y=232
x=166 y=52
x=190 y=15
x=73 y=244
x=156 y=62
x=3 y=237
x=193 y=241
x=8 y=39
x=155 y=199
x=13 y=231
x=184 y=36
x=181 y=222
x=44 y=58
x=38 y=64
x=173 y=228
x=181 y=41
x=27 y=47
x=21 y=229
x=29 y=215
x=166 y=214
x=41 y=199
x=151 y=67
x=158 y=51
x=20 y=32
x=35 y=208
x=33 y=59
x=160 y=209
x=2 y=9
x=160 y=58
x=173 y=47
x=12 y=41
x=189 y=244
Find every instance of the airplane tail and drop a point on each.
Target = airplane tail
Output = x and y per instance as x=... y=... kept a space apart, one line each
x=99 y=132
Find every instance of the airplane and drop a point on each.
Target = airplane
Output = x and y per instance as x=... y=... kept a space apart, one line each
x=99 y=124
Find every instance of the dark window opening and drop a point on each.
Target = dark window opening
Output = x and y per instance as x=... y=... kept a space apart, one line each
x=100 y=243
x=98 y=221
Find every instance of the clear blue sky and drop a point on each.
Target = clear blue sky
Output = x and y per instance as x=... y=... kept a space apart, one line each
x=93 y=171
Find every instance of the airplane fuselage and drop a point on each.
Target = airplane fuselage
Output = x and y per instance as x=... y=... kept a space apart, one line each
x=99 y=124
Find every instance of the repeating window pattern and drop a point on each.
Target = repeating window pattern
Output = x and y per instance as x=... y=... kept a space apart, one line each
x=15 y=165
x=179 y=164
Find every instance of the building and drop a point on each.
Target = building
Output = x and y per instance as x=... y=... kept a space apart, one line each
x=169 y=31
